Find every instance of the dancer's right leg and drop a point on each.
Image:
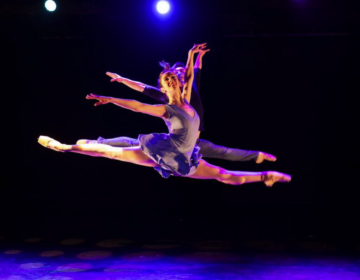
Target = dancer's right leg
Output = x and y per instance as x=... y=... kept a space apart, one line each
x=115 y=142
x=206 y=170
x=132 y=154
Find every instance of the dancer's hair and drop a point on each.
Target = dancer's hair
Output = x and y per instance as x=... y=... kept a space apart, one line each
x=167 y=68
x=165 y=65
x=178 y=64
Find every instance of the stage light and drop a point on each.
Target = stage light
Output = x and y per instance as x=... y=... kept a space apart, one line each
x=163 y=7
x=50 y=5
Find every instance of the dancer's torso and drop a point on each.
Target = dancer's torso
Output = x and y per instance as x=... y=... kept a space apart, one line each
x=183 y=128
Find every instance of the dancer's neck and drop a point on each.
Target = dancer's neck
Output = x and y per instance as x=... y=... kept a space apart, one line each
x=176 y=99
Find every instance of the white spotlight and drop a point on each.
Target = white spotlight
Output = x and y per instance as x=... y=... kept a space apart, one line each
x=50 y=5
x=163 y=7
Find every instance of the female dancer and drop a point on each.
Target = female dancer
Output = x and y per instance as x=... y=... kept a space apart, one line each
x=207 y=148
x=174 y=153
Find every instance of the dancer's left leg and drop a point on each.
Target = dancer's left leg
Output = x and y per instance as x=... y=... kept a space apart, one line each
x=132 y=154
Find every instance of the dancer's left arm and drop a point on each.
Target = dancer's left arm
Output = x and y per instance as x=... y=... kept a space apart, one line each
x=197 y=70
x=133 y=105
x=189 y=73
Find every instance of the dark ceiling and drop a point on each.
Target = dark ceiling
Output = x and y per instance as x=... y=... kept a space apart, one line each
x=234 y=18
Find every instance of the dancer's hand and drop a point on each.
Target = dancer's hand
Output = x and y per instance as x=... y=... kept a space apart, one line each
x=202 y=51
x=197 y=47
x=102 y=99
x=115 y=77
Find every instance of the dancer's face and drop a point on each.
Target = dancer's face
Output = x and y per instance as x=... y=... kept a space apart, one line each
x=180 y=72
x=169 y=82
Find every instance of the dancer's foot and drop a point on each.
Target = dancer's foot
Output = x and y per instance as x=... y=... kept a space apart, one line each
x=264 y=156
x=271 y=177
x=85 y=141
x=52 y=144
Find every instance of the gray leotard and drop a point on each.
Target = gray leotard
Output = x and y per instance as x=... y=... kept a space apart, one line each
x=176 y=151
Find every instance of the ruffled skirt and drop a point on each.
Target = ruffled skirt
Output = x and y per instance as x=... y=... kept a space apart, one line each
x=161 y=149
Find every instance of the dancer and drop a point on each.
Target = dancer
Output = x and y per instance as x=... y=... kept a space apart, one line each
x=207 y=148
x=174 y=153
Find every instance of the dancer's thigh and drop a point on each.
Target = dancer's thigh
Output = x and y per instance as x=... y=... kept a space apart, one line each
x=206 y=170
x=132 y=154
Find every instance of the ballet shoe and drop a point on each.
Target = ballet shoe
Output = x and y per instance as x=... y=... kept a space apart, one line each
x=271 y=177
x=264 y=156
x=269 y=157
x=45 y=141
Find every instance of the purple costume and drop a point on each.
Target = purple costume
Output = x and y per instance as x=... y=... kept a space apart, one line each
x=176 y=151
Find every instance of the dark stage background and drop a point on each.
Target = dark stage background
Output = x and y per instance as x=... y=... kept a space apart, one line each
x=277 y=79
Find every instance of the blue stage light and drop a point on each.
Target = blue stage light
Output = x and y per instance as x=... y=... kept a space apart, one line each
x=163 y=7
x=50 y=5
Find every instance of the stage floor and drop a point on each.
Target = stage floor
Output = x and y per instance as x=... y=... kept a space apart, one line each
x=121 y=258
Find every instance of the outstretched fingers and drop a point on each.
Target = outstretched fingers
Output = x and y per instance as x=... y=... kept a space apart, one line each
x=112 y=75
x=197 y=47
x=115 y=77
x=101 y=99
x=92 y=96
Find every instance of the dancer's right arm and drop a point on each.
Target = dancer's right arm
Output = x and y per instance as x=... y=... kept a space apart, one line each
x=133 y=105
x=138 y=86
x=152 y=92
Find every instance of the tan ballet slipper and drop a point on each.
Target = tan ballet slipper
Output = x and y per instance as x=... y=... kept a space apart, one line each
x=50 y=143
x=271 y=177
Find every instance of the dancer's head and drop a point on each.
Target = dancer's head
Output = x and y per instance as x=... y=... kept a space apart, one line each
x=179 y=69
x=168 y=80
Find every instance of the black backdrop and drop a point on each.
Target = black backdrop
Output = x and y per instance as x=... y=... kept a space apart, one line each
x=289 y=94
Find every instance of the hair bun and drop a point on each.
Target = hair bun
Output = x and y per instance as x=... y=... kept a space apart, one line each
x=178 y=64
x=165 y=65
